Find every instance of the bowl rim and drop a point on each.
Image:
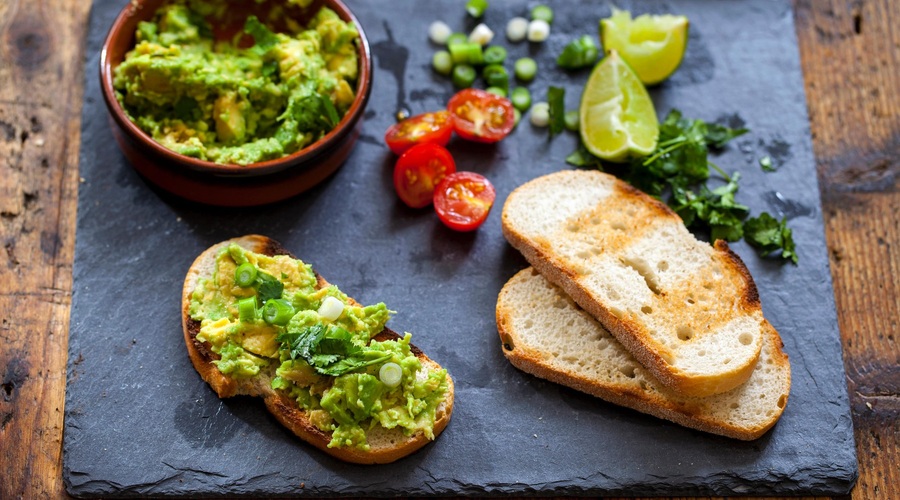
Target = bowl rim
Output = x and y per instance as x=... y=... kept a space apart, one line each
x=301 y=157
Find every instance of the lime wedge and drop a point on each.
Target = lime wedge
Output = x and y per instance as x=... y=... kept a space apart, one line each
x=652 y=45
x=618 y=121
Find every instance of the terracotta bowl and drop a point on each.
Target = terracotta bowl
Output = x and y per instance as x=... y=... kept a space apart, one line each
x=231 y=185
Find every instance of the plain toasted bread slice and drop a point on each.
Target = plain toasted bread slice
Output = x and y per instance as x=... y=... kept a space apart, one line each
x=546 y=334
x=688 y=311
x=384 y=445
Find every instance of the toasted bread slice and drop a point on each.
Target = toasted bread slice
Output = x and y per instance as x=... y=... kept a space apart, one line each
x=384 y=445
x=546 y=334
x=688 y=311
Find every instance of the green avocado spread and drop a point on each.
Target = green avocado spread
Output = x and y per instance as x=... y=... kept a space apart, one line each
x=221 y=101
x=265 y=317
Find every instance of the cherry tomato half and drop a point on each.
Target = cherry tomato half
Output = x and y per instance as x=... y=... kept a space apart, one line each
x=463 y=200
x=419 y=170
x=481 y=116
x=433 y=128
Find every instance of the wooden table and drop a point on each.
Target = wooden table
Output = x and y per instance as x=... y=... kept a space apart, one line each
x=850 y=52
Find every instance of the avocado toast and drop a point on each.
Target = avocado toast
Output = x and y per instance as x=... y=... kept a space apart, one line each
x=308 y=354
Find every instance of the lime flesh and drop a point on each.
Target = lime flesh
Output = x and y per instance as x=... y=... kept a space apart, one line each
x=618 y=120
x=652 y=45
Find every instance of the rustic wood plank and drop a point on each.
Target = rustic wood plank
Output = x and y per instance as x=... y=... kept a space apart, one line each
x=849 y=52
x=41 y=70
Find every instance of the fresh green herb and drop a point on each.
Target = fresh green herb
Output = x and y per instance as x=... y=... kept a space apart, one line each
x=263 y=37
x=767 y=235
x=579 y=53
x=681 y=156
x=330 y=350
x=556 y=101
x=270 y=68
x=766 y=164
x=582 y=158
x=313 y=113
x=268 y=287
x=715 y=209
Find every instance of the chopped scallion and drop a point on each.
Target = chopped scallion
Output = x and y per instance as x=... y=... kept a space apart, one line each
x=442 y=62
x=525 y=69
x=278 y=312
x=466 y=53
x=463 y=76
x=247 y=309
x=521 y=98
x=495 y=54
x=245 y=275
x=476 y=8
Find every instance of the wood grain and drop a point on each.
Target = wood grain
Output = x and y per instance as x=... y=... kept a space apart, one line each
x=41 y=71
x=849 y=52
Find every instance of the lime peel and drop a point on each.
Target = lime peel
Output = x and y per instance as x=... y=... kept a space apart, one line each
x=653 y=45
x=617 y=117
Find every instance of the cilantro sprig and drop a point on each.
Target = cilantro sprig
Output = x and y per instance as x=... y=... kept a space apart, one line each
x=330 y=350
x=680 y=166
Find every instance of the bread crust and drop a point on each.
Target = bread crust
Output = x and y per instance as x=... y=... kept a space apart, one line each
x=283 y=408
x=711 y=414
x=543 y=256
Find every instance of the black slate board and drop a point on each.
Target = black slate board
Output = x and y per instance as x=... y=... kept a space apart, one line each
x=140 y=421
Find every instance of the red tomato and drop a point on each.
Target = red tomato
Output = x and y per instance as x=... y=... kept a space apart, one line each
x=463 y=199
x=419 y=170
x=481 y=116
x=433 y=128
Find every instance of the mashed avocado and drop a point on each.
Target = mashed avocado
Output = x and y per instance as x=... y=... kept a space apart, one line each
x=217 y=101
x=314 y=345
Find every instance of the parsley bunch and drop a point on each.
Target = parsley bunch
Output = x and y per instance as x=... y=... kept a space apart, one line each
x=330 y=350
x=680 y=166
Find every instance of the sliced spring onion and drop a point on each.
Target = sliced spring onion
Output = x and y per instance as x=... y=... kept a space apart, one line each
x=543 y=13
x=247 y=309
x=495 y=75
x=245 y=275
x=525 y=69
x=278 y=312
x=579 y=53
x=476 y=8
x=482 y=35
x=439 y=32
x=516 y=29
x=557 y=109
x=521 y=98
x=466 y=53
x=500 y=91
x=463 y=76
x=517 y=115
x=442 y=62
x=538 y=30
x=390 y=374
x=456 y=38
x=540 y=114
x=331 y=308
x=495 y=54
x=572 y=119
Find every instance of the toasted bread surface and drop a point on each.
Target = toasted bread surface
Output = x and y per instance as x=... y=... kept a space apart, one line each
x=688 y=311
x=544 y=333
x=385 y=445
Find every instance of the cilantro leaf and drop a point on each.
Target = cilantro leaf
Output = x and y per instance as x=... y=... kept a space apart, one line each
x=768 y=235
x=718 y=135
x=268 y=287
x=330 y=350
x=581 y=157
x=766 y=164
x=312 y=113
x=262 y=36
x=556 y=101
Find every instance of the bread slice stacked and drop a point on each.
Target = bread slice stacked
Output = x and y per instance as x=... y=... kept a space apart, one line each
x=385 y=445
x=689 y=340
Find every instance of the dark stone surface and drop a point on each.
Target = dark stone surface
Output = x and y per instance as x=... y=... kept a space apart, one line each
x=140 y=421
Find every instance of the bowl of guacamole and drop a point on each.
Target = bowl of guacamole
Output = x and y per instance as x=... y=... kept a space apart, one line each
x=236 y=102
